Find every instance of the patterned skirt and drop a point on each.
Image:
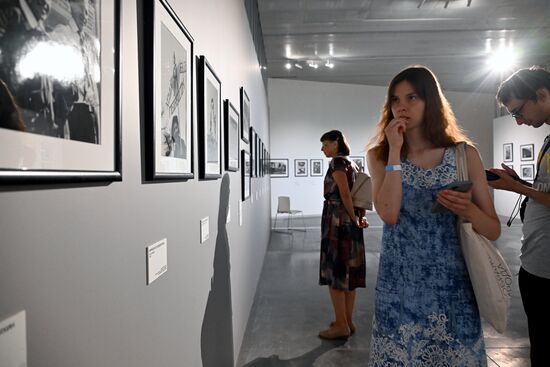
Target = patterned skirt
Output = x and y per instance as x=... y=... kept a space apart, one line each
x=342 y=263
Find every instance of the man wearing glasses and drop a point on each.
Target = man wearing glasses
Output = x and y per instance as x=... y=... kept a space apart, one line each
x=526 y=94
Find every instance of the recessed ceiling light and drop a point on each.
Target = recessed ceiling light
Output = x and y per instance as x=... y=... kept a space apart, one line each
x=288 y=66
x=329 y=64
x=298 y=65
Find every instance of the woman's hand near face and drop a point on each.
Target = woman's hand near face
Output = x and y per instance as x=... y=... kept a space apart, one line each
x=394 y=132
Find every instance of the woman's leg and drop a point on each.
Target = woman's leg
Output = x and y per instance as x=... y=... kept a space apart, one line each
x=339 y=328
x=350 y=302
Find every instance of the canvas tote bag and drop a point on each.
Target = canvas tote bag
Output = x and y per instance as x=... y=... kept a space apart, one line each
x=361 y=191
x=490 y=276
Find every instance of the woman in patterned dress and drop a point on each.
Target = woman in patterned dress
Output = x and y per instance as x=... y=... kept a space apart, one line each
x=342 y=265
x=425 y=310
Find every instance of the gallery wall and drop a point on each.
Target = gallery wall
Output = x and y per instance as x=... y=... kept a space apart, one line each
x=508 y=132
x=301 y=111
x=72 y=256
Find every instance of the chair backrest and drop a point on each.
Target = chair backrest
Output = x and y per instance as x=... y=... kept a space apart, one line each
x=283 y=205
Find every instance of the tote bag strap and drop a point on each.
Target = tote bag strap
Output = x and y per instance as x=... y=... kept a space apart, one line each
x=461 y=162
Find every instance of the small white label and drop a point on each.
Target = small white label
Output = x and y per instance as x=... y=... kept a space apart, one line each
x=205 y=229
x=228 y=214
x=157 y=260
x=240 y=213
x=13 y=341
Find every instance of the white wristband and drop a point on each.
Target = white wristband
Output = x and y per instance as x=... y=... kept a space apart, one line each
x=393 y=167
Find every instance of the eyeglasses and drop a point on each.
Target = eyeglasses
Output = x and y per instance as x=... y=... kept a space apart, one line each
x=516 y=113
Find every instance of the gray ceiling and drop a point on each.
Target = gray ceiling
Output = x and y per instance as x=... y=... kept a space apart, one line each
x=369 y=41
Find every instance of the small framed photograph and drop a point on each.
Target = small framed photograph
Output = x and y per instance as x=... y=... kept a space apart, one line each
x=507 y=152
x=256 y=155
x=245 y=175
x=168 y=92
x=278 y=167
x=527 y=171
x=527 y=152
x=231 y=118
x=209 y=118
x=252 y=149
x=316 y=167
x=60 y=95
x=359 y=161
x=245 y=115
x=300 y=167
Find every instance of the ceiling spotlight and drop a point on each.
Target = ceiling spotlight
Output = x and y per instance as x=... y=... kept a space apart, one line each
x=313 y=65
x=329 y=65
x=288 y=66
x=298 y=65
x=502 y=59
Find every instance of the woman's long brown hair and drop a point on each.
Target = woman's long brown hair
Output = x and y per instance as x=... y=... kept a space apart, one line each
x=440 y=125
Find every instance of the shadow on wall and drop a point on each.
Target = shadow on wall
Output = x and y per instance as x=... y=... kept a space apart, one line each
x=217 y=325
x=305 y=360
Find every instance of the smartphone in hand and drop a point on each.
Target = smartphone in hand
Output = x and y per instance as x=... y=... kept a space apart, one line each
x=493 y=176
x=460 y=186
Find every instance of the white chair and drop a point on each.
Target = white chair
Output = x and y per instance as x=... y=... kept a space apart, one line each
x=283 y=207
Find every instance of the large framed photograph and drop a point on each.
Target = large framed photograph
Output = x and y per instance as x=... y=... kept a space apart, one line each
x=527 y=172
x=245 y=175
x=245 y=115
x=359 y=161
x=527 y=152
x=231 y=118
x=278 y=167
x=168 y=93
x=252 y=148
x=507 y=152
x=210 y=128
x=316 y=167
x=60 y=91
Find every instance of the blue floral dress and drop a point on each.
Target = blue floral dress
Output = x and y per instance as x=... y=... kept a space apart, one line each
x=425 y=310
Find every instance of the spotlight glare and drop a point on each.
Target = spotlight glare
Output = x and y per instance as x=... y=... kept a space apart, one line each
x=288 y=66
x=502 y=59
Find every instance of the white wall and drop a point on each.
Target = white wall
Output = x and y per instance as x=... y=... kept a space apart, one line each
x=73 y=256
x=301 y=111
x=506 y=130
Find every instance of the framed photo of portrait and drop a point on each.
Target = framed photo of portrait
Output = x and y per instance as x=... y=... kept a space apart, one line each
x=245 y=115
x=209 y=116
x=507 y=152
x=527 y=172
x=527 y=152
x=316 y=167
x=245 y=175
x=168 y=93
x=300 y=167
x=278 y=167
x=231 y=118
x=359 y=161
x=61 y=115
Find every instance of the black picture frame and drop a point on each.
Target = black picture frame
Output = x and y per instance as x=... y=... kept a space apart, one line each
x=316 y=167
x=527 y=172
x=508 y=152
x=245 y=115
x=168 y=94
x=278 y=167
x=45 y=140
x=527 y=152
x=252 y=149
x=209 y=106
x=359 y=161
x=300 y=168
x=245 y=175
x=232 y=136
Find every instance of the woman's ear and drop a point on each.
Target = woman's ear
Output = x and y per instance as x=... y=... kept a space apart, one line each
x=543 y=95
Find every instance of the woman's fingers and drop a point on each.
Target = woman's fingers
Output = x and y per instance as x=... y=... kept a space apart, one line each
x=457 y=202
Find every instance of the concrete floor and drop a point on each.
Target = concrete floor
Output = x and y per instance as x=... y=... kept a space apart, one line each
x=290 y=307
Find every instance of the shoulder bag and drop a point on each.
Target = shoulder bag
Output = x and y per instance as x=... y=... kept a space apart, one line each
x=490 y=276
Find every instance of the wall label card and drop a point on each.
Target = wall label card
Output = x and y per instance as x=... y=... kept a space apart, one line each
x=13 y=341
x=157 y=260
x=205 y=229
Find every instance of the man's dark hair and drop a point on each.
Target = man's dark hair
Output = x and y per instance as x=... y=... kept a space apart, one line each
x=336 y=135
x=523 y=84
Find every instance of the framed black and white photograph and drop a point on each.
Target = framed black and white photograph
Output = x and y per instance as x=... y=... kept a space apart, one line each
x=527 y=172
x=168 y=92
x=507 y=152
x=316 y=167
x=256 y=158
x=300 y=167
x=252 y=149
x=60 y=95
x=359 y=161
x=278 y=167
x=209 y=119
x=245 y=115
x=527 y=152
x=245 y=174
x=231 y=137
